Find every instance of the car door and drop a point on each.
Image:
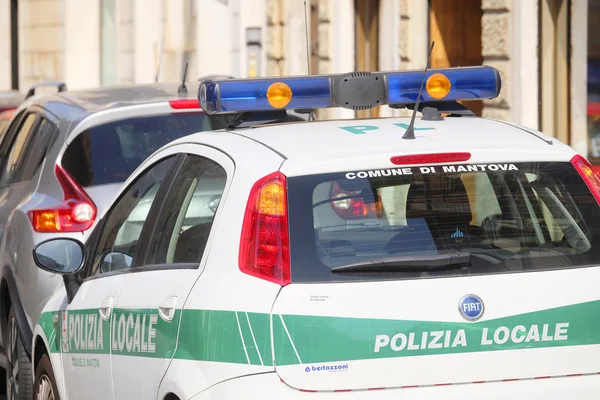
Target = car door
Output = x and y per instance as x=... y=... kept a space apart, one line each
x=147 y=311
x=20 y=182
x=88 y=329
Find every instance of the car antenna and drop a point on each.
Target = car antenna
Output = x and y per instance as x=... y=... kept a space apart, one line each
x=311 y=114
x=182 y=90
x=410 y=131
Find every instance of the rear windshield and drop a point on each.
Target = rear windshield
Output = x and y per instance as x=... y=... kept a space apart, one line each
x=441 y=221
x=109 y=153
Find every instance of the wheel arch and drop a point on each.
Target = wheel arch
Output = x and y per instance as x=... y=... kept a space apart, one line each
x=42 y=346
x=5 y=303
x=39 y=349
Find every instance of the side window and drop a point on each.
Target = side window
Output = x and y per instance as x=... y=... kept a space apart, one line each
x=35 y=152
x=118 y=243
x=17 y=148
x=9 y=132
x=186 y=220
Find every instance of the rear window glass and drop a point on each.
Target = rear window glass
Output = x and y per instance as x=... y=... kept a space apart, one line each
x=109 y=153
x=441 y=221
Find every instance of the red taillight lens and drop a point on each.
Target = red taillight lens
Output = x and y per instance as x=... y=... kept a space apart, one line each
x=264 y=245
x=353 y=207
x=590 y=177
x=430 y=158
x=184 y=104
x=76 y=213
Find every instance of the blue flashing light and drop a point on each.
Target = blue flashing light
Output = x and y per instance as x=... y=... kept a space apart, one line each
x=467 y=83
x=357 y=91
x=237 y=95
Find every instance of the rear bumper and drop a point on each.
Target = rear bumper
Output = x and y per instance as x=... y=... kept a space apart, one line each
x=269 y=386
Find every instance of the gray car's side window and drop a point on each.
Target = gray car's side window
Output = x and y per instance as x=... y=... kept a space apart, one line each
x=118 y=243
x=31 y=159
x=186 y=219
x=17 y=148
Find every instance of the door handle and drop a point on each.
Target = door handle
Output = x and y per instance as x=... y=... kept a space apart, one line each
x=166 y=309
x=106 y=307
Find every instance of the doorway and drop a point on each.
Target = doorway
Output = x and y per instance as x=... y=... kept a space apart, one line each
x=455 y=26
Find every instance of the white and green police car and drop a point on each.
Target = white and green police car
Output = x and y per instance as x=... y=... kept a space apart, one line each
x=444 y=256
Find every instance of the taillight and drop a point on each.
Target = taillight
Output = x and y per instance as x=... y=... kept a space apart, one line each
x=264 y=245
x=430 y=158
x=184 y=104
x=349 y=207
x=76 y=213
x=590 y=177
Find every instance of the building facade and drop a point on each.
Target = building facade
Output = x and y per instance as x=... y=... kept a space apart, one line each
x=545 y=50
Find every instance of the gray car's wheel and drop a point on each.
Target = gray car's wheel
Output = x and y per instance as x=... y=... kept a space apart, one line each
x=44 y=387
x=19 y=379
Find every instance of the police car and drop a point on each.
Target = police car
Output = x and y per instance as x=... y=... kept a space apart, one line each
x=442 y=256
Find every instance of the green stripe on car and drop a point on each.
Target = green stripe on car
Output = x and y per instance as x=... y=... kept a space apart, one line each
x=245 y=338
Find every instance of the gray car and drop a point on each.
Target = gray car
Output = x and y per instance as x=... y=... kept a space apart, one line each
x=62 y=158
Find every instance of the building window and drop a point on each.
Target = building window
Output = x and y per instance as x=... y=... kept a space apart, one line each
x=593 y=82
x=108 y=44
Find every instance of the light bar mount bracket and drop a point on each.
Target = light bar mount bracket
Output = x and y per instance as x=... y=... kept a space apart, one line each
x=359 y=90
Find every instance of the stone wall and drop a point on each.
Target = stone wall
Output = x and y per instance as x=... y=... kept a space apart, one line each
x=324 y=37
x=5 y=58
x=179 y=29
x=278 y=30
x=191 y=19
x=495 y=49
x=41 y=45
x=169 y=42
x=275 y=37
x=404 y=33
x=405 y=28
x=126 y=52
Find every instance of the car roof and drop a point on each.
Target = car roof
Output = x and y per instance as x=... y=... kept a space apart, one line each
x=11 y=98
x=123 y=95
x=346 y=144
x=297 y=140
x=75 y=104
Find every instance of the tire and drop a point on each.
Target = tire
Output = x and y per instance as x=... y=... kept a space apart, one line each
x=44 y=387
x=3 y=382
x=19 y=380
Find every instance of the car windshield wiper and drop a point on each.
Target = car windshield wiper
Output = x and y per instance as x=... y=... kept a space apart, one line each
x=409 y=263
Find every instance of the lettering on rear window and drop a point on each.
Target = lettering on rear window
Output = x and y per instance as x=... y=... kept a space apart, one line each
x=431 y=170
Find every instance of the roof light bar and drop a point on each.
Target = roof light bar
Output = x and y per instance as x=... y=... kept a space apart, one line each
x=235 y=95
x=355 y=91
x=449 y=84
